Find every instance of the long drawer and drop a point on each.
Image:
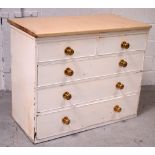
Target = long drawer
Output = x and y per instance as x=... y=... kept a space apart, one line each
x=78 y=117
x=49 y=74
x=83 y=92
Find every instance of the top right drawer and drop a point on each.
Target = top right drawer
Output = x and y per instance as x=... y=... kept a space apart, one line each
x=122 y=43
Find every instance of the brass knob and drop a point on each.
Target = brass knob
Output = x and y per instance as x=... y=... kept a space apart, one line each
x=66 y=120
x=125 y=45
x=68 y=72
x=69 y=51
x=120 y=85
x=123 y=63
x=117 y=108
x=67 y=96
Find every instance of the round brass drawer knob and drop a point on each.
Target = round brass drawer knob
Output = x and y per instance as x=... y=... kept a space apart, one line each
x=66 y=120
x=67 y=96
x=68 y=72
x=117 y=108
x=69 y=51
x=119 y=85
x=123 y=63
x=125 y=45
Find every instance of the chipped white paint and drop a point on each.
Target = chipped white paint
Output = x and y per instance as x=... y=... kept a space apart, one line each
x=23 y=80
x=85 y=92
x=50 y=125
x=85 y=69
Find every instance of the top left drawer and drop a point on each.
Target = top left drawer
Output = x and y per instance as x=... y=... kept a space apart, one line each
x=68 y=48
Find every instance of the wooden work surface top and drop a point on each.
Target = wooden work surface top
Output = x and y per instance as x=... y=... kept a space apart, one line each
x=70 y=25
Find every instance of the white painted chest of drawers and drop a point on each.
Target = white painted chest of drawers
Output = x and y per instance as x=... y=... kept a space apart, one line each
x=70 y=74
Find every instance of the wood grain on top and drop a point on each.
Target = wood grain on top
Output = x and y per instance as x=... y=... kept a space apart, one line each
x=67 y=25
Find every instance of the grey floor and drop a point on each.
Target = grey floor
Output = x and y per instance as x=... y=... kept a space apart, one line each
x=139 y=131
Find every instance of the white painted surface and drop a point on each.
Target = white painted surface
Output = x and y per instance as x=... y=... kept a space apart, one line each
x=54 y=50
x=85 y=116
x=49 y=74
x=113 y=44
x=51 y=50
x=85 y=92
x=23 y=80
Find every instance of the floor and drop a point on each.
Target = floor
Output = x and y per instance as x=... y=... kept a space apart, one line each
x=139 y=131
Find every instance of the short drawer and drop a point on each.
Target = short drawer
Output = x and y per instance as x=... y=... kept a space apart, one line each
x=81 y=93
x=66 y=49
x=80 y=117
x=49 y=74
x=122 y=43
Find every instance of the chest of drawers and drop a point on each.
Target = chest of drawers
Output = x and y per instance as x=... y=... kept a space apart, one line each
x=71 y=74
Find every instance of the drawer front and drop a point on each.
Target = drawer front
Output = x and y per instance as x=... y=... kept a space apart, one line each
x=81 y=93
x=55 y=50
x=114 y=44
x=54 y=73
x=84 y=116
